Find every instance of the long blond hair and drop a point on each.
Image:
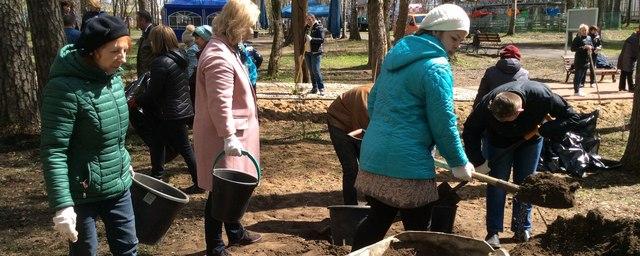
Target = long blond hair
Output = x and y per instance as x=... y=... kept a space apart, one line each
x=235 y=20
x=162 y=39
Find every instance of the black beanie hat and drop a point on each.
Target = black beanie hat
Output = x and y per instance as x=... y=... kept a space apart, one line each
x=100 y=30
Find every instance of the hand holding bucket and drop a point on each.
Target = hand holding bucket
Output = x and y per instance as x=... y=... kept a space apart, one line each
x=232 y=189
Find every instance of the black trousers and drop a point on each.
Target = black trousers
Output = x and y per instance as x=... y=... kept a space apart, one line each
x=348 y=151
x=626 y=76
x=380 y=218
x=213 y=230
x=172 y=133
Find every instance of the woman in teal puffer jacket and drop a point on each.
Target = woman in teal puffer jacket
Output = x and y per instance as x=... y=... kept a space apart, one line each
x=411 y=111
x=87 y=169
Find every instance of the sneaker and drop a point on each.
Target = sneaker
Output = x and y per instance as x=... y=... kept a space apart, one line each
x=581 y=86
x=194 y=189
x=592 y=85
x=522 y=236
x=313 y=91
x=493 y=240
x=579 y=94
x=321 y=92
x=249 y=237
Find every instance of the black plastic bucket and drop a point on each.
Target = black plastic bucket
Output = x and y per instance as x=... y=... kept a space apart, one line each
x=344 y=222
x=155 y=205
x=232 y=190
x=442 y=218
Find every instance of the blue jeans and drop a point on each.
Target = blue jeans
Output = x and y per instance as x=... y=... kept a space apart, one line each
x=213 y=230
x=313 y=64
x=348 y=151
x=119 y=223
x=579 y=78
x=524 y=160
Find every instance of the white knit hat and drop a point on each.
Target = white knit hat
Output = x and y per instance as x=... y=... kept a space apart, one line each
x=446 y=17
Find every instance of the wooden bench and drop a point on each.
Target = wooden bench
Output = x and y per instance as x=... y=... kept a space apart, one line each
x=484 y=42
x=568 y=62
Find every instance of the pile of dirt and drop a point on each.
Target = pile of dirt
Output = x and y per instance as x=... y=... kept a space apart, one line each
x=293 y=110
x=585 y=235
x=418 y=249
x=548 y=190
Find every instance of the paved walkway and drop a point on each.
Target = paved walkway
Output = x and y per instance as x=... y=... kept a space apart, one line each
x=608 y=91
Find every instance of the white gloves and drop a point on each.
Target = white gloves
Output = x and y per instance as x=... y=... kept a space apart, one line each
x=483 y=168
x=131 y=170
x=233 y=146
x=308 y=38
x=65 y=223
x=463 y=172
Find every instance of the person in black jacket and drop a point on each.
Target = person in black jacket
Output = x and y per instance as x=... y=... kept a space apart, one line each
x=507 y=69
x=626 y=61
x=167 y=99
x=313 y=52
x=502 y=118
x=582 y=46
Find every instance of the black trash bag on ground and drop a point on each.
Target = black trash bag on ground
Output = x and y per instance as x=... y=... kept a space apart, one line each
x=142 y=123
x=576 y=151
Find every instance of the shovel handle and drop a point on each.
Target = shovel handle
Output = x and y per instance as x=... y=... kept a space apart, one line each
x=508 y=186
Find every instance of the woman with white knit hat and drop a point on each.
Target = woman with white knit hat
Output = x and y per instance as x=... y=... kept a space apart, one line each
x=411 y=111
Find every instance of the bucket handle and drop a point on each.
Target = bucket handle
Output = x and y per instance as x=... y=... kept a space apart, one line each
x=244 y=153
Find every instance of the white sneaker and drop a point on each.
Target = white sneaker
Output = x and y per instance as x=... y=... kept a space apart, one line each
x=579 y=94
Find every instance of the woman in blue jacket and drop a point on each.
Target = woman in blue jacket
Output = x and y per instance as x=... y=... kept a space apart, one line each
x=411 y=111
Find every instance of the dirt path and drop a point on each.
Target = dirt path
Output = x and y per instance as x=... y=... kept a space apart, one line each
x=301 y=178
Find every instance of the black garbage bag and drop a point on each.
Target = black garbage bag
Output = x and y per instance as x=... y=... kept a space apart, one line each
x=576 y=151
x=142 y=123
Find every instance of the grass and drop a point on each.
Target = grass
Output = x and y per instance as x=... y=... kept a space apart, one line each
x=342 y=55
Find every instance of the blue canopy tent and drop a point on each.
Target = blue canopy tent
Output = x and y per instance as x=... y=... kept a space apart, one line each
x=264 y=21
x=180 y=13
x=315 y=8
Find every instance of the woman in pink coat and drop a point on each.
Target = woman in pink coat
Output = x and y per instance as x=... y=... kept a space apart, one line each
x=226 y=114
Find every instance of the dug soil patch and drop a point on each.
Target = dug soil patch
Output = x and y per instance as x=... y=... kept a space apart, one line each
x=547 y=190
x=585 y=236
x=419 y=249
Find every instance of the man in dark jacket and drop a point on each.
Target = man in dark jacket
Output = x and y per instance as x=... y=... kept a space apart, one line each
x=627 y=59
x=505 y=116
x=144 y=22
x=313 y=52
x=508 y=69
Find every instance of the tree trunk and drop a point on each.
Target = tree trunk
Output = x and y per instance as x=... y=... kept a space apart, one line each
x=278 y=38
x=343 y=24
x=631 y=157
x=401 y=24
x=142 y=5
x=616 y=5
x=115 y=6
x=47 y=31
x=18 y=89
x=512 y=19
x=385 y=14
x=601 y=5
x=299 y=12
x=354 y=29
x=628 y=13
x=377 y=35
